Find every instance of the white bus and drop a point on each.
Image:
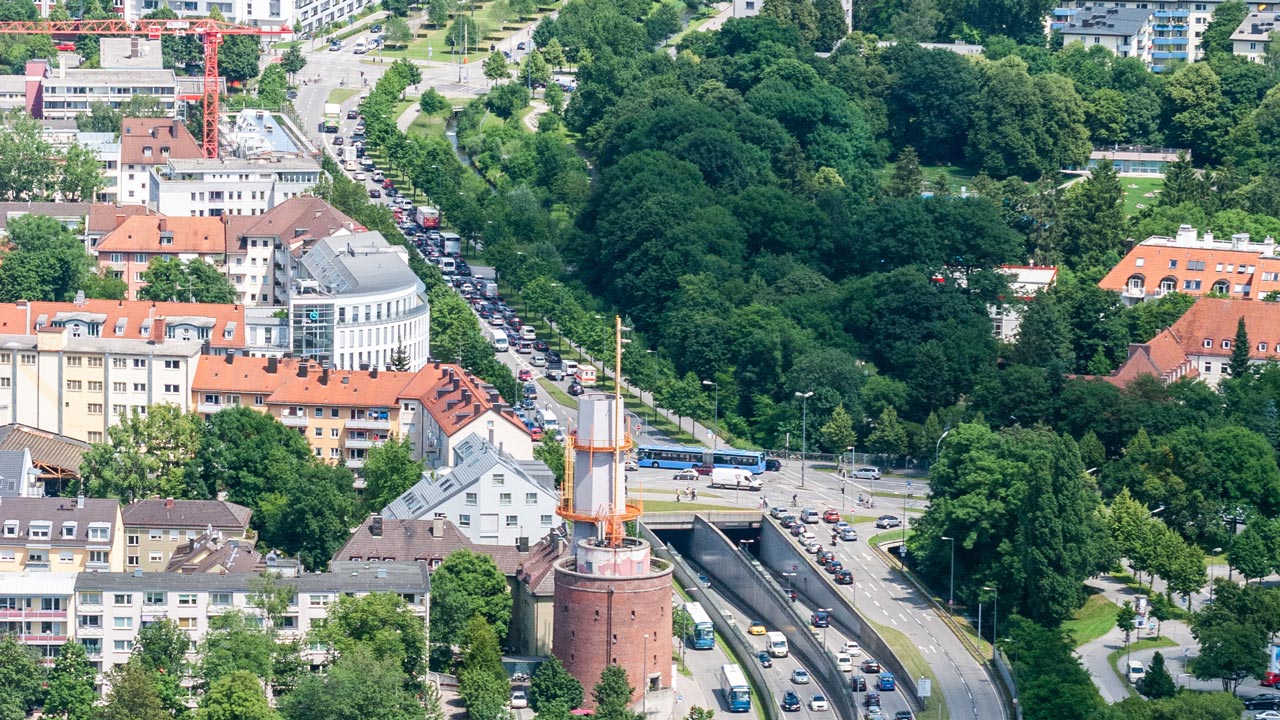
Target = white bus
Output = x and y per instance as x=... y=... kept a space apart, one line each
x=777 y=643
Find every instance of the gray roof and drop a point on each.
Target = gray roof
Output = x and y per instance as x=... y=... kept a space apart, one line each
x=357 y=264
x=11 y=84
x=1106 y=21
x=1257 y=26
x=479 y=457
x=130 y=53
x=13 y=463
x=57 y=511
x=194 y=165
x=343 y=577
x=94 y=77
x=47 y=448
x=65 y=212
x=156 y=513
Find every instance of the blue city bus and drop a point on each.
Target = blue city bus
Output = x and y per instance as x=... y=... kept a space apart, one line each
x=737 y=694
x=679 y=457
x=704 y=633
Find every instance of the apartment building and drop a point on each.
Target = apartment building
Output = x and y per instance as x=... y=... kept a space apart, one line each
x=1251 y=38
x=354 y=303
x=258 y=245
x=313 y=14
x=1126 y=32
x=35 y=608
x=55 y=459
x=59 y=535
x=443 y=404
x=111 y=607
x=210 y=187
x=127 y=251
x=145 y=144
x=1175 y=26
x=1192 y=264
x=156 y=528
x=493 y=498
x=68 y=92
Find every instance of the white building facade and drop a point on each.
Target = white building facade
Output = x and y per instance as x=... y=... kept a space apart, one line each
x=213 y=188
x=67 y=93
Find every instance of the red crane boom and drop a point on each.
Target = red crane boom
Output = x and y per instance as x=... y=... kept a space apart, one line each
x=210 y=31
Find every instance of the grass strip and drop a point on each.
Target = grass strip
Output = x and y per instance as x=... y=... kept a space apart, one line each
x=913 y=660
x=340 y=95
x=1144 y=644
x=1092 y=621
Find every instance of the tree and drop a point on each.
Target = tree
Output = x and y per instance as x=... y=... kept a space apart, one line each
x=145 y=455
x=480 y=652
x=551 y=453
x=798 y=14
x=917 y=22
x=1240 y=351
x=233 y=645
x=612 y=695
x=1193 y=100
x=432 y=102
x=163 y=647
x=45 y=261
x=438 y=11
x=273 y=85
x=133 y=694
x=177 y=280
x=310 y=513
x=1216 y=39
x=1248 y=553
x=907 y=180
x=1181 y=184
x=1156 y=683
x=248 y=454
x=1095 y=217
x=535 y=70
x=102 y=286
x=356 y=685
x=838 y=432
x=465 y=584
x=495 y=67
x=293 y=60
x=81 y=178
x=1229 y=651
x=380 y=622
x=238 y=58
x=553 y=52
x=21 y=675
x=1125 y=616
x=397 y=8
x=507 y=99
x=484 y=695
x=697 y=713
x=389 y=470
x=464 y=35
x=889 y=436
x=72 y=689
x=237 y=696
x=553 y=685
x=100 y=118
x=398 y=33
x=28 y=162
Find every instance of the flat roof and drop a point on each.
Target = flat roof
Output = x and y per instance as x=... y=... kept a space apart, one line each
x=344 y=576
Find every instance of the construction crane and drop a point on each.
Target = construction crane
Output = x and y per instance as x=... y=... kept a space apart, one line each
x=210 y=31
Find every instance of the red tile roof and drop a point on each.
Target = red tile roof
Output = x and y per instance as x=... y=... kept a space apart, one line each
x=20 y=318
x=103 y=217
x=451 y=396
x=156 y=133
x=240 y=374
x=1150 y=262
x=348 y=388
x=299 y=218
x=142 y=233
x=1213 y=320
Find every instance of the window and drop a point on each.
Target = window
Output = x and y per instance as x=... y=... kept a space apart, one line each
x=119 y=363
x=73 y=360
x=39 y=531
x=66 y=556
x=155 y=535
x=187 y=600
x=140 y=363
x=132 y=560
x=472 y=498
x=89 y=621
x=499 y=480
x=95 y=408
x=531 y=498
x=73 y=385
x=122 y=623
x=171 y=389
x=155 y=556
x=97 y=557
x=90 y=598
x=153 y=598
x=513 y=521
x=134 y=540
x=504 y=499
x=1173 y=264
x=1226 y=344
x=99 y=533
x=546 y=521
x=258 y=400
x=8 y=556
x=221 y=598
x=319 y=432
x=1140 y=262
x=122 y=599
x=1262 y=347
x=464 y=521
x=68 y=530
x=187 y=623
x=171 y=365
x=119 y=409
x=119 y=387
x=123 y=646
x=28 y=358
x=11 y=528
x=318 y=600
x=318 y=412
x=1226 y=368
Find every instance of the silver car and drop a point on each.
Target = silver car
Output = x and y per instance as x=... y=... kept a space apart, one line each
x=867 y=472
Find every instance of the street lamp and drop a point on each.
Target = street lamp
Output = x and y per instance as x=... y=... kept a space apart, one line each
x=951 y=598
x=804 y=431
x=715 y=436
x=995 y=619
x=1215 y=552
x=937 y=449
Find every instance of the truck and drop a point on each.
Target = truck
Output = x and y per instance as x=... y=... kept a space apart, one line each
x=427 y=216
x=489 y=289
x=734 y=479
x=332 y=116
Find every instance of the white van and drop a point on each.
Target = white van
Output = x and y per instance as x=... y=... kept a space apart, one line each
x=528 y=333
x=448 y=266
x=360 y=48
x=548 y=420
x=586 y=376
x=734 y=479
x=499 y=340
x=1134 y=671
x=777 y=643
x=570 y=367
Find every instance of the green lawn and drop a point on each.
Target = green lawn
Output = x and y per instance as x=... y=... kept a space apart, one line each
x=684 y=506
x=955 y=175
x=428 y=125
x=341 y=95
x=1092 y=621
x=433 y=46
x=1136 y=191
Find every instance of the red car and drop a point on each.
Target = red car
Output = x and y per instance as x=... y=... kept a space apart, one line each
x=831 y=516
x=536 y=432
x=1271 y=679
x=703 y=469
x=387 y=184
x=524 y=374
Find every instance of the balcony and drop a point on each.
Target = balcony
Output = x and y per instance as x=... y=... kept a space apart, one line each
x=89 y=632
x=33 y=614
x=355 y=463
x=43 y=639
x=369 y=423
x=1165 y=14
x=1133 y=292
x=363 y=443
x=1181 y=41
x=294 y=421
x=209 y=408
x=1167 y=27
x=1167 y=55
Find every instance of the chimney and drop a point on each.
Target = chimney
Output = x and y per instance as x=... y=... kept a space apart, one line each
x=231 y=358
x=168 y=503
x=475 y=408
x=373 y=373
x=324 y=376
x=164 y=224
x=157 y=331
x=346 y=379
x=120 y=218
x=437 y=527
x=466 y=396
x=522 y=544
x=375 y=525
x=79 y=502
x=273 y=364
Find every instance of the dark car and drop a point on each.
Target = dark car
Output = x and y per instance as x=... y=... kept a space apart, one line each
x=825 y=556
x=772 y=464
x=375 y=193
x=704 y=469
x=1265 y=701
x=522 y=46
x=291 y=94
x=834 y=566
x=765 y=660
x=553 y=357
x=338 y=140
x=844 y=577
x=376 y=29
x=870 y=666
x=790 y=702
x=872 y=698
x=789 y=521
x=575 y=389
x=858 y=683
x=540 y=346
x=352 y=114
x=821 y=619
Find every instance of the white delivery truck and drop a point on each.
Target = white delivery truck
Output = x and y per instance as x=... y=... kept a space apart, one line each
x=777 y=643
x=734 y=479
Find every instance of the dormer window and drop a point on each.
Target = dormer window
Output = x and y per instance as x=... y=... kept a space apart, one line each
x=1262 y=347
x=68 y=530
x=1208 y=343
x=164 y=150
x=146 y=151
x=11 y=528
x=1226 y=344
x=40 y=531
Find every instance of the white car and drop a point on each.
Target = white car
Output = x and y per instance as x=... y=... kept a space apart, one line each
x=1267 y=715
x=538 y=361
x=867 y=472
x=812 y=547
x=377 y=176
x=519 y=699
x=844 y=663
x=631 y=466
x=851 y=648
x=818 y=704
x=358 y=177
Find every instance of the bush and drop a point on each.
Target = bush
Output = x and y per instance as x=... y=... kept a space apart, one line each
x=507 y=99
x=432 y=102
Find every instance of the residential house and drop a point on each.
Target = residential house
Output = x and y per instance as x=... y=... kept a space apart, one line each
x=127 y=251
x=493 y=498
x=116 y=605
x=1025 y=282
x=431 y=540
x=213 y=553
x=156 y=527
x=1126 y=32
x=1136 y=160
x=18 y=475
x=145 y=144
x=1253 y=35
x=211 y=187
x=56 y=458
x=50 y=534
x=444 y=404
x=1176 y=25
x=36 y=609
x=1187 y=263
x=104 y=218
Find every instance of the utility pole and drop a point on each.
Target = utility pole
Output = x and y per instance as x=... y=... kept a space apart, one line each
x=804 y=431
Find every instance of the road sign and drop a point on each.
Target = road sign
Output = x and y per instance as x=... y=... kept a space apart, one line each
x=924 y=687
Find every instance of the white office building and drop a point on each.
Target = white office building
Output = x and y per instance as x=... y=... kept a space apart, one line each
x=68 y=92
x=354 y=302
x=213 y=187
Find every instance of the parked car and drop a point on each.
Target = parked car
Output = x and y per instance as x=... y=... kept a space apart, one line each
x=1270 y=679
x=888 y=521
x=772 y=464
x=519 y=699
